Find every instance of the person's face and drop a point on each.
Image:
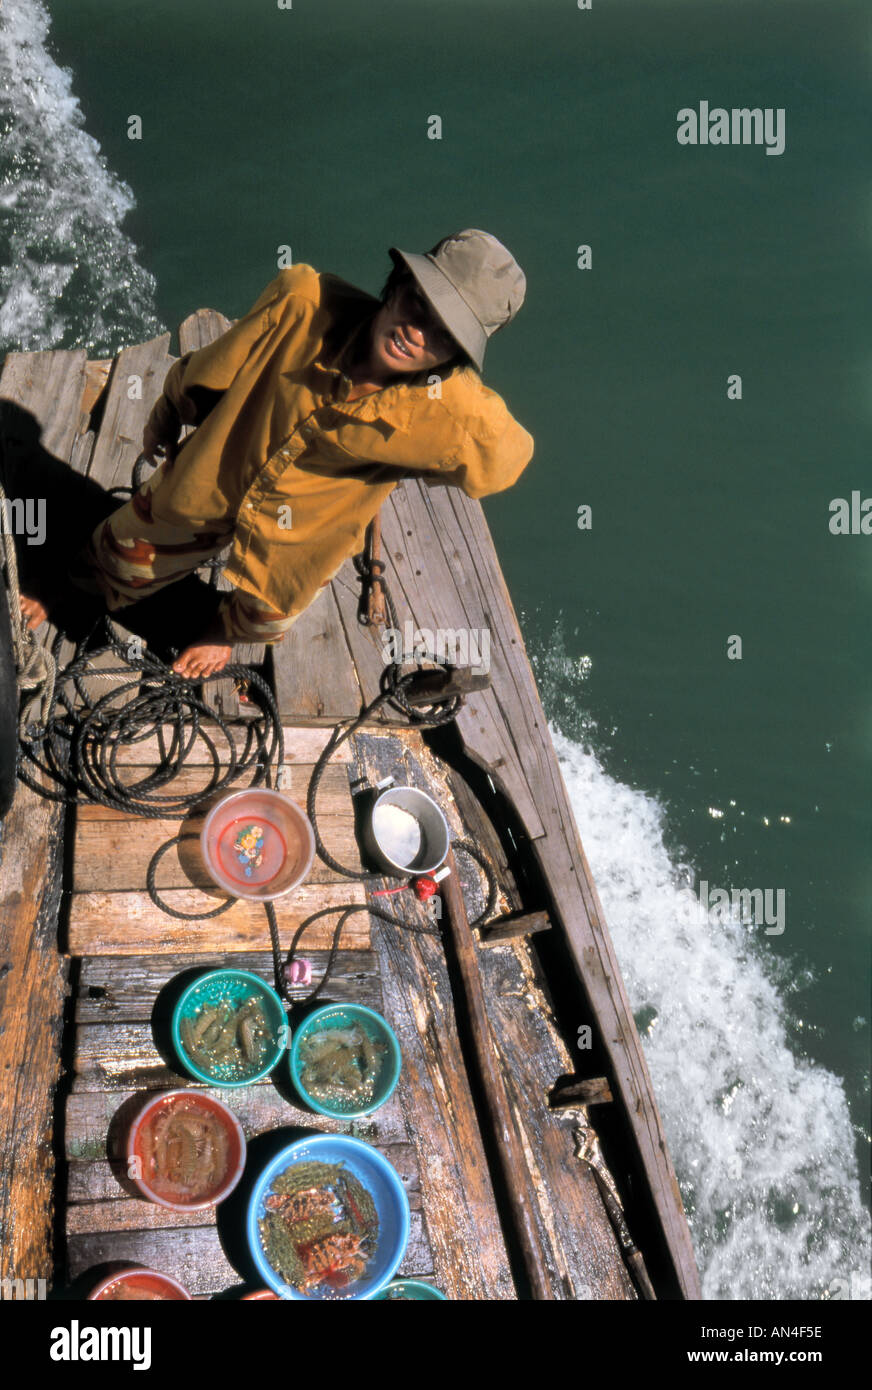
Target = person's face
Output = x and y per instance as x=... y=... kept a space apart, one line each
x=407 y=336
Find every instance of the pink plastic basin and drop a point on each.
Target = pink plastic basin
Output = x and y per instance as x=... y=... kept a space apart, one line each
x=257 y=844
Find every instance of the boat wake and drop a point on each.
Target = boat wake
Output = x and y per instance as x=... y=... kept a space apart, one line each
x=761 y=1139
x=69 y=276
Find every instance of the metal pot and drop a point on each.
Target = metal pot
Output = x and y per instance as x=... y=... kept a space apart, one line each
x=406 y=833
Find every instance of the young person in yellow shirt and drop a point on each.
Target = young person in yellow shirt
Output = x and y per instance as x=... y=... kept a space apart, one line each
x=307 y=414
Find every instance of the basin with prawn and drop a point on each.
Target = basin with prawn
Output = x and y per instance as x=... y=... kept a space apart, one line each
x=229 y=1028
x=140 y=1284
x=257 y=844
x=185 y=1150
x=355 y=1075
x=316 y=1199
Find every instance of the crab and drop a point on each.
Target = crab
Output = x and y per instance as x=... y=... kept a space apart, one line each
x=334 y=1259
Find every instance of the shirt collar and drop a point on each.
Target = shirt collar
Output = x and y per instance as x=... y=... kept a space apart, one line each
x=394 y=404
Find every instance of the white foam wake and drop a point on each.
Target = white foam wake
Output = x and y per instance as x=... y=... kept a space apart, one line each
x=761 y=1140
x=69 y=276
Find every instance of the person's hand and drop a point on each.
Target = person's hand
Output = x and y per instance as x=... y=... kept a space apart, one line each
x=202 y=659
x=152 y=444
x=33 y=612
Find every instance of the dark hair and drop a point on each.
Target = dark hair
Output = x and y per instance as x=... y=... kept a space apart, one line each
x=401 y=277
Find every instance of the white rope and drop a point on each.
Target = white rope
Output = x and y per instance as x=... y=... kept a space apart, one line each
x=34 y=664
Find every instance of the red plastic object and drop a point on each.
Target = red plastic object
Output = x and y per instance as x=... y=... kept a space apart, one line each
x=147 y=1280
x=138 y=1149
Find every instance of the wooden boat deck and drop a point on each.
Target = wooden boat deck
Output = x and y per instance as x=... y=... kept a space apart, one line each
x=76 y=879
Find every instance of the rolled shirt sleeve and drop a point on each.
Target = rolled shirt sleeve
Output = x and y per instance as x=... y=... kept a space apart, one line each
x=197 y=380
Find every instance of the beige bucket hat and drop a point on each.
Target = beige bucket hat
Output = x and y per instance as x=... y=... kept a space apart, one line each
x=473 y=283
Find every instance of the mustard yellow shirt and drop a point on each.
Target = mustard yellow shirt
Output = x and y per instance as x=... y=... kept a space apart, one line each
x=296 y=471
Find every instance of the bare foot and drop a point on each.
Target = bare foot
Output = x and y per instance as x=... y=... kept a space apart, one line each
x=202 y=659
x=33 y=612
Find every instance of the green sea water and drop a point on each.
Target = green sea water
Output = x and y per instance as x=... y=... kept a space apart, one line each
x=308 y=127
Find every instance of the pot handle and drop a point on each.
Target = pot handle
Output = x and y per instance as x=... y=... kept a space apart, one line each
x=374 y=787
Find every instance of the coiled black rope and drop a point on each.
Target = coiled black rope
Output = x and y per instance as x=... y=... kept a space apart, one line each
x=76 y=753
x=77 y=750
x=343 y=911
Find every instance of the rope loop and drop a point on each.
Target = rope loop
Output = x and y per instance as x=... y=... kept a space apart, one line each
x=79 y=751
x=79 y=746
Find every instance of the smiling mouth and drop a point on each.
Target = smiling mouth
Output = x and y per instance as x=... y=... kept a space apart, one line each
x=397 y=343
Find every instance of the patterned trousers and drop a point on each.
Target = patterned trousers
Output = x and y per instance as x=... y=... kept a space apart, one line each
x=130 y=556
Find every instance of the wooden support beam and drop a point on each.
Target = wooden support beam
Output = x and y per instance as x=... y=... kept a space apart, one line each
x=519 y=1188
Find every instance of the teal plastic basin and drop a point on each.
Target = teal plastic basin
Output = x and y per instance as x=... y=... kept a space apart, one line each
x=346 y=1016
x=231 y=987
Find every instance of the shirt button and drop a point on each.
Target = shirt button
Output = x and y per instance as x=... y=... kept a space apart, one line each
x=306 y=431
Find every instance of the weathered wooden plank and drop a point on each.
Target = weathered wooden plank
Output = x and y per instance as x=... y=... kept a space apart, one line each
x=113 y=856
x=97 y=1116
x=367 y=644
x=195 y=1255
x=44 y=425
x=333 y=794
x=508 y=928
x=119 y=441
x=202 y=328
x=425 y=537
x=40 y=427
x=131 y=924
x=525 y=1204
x=113 y=1213
x=572 y=1094
x=532 y=1055
x=469 y=1254
x=50 y=386
x=97 y=375
x=302 y=745
x=313 y=670
x=32 y=981
x=123 y=989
